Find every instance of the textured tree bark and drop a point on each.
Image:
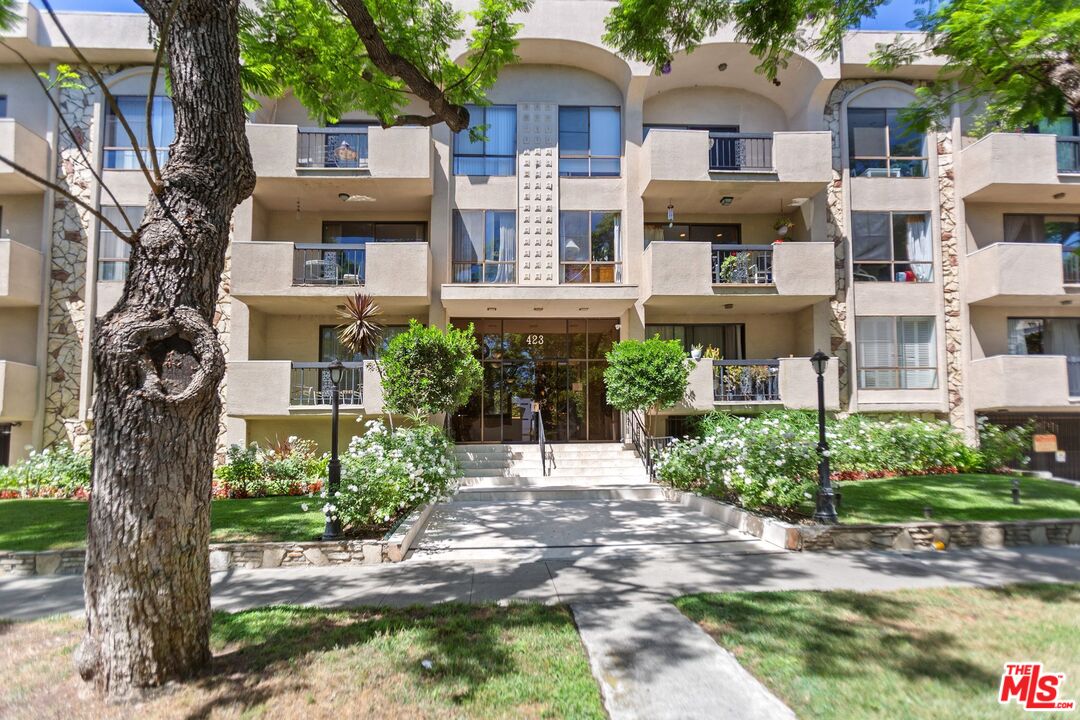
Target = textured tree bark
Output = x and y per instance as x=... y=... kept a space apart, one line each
x=157 y=367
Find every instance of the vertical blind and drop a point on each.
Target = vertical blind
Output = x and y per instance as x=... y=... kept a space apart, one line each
x=896 y=352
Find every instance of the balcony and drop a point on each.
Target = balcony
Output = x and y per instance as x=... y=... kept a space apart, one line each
x=759 y=170
x=388 y=166
x=697 y=276
x=300 y=277
x=1029 y=274
x=279 y=388
x=18 y=391
x=20 y=275
x=1019 y=382
x=1020 y=168
x=25 y=148
x=788 y=382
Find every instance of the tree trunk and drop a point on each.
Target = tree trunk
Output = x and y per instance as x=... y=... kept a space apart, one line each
x=157 y=367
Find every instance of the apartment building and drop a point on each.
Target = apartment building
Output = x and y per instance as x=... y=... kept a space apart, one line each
x=762 y=221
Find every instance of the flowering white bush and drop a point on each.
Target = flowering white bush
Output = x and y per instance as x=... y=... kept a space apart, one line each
x=771 y=459
x=384 y=474
x=54 y=472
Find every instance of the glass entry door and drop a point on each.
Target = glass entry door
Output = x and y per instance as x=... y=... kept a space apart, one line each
x=539 y=368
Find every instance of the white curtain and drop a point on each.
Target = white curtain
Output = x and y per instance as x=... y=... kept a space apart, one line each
x=920 y=247
x=503 y=246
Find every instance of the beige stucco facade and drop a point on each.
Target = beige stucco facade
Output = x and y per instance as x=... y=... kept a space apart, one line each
x=279 y=296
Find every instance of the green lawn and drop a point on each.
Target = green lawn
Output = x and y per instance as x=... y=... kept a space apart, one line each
x=911 y=654
x=521 y=661
x=955 y=497
x=59 y=524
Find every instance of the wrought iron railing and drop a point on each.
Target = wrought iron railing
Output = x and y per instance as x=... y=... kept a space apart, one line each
x=740 y=151
x=333 y=148
x=746 y=380
x=545 y=446
x=1070 y=262
x=742 y=264
x=311 y=385
x=1068 y=154
x=647 y=447
x=328 y=264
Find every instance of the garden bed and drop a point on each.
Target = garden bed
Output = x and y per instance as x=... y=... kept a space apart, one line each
x=450 y=660
x=930 y=653
x=45 y=537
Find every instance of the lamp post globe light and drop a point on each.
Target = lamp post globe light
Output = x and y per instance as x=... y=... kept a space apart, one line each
x=332 y=531
x=825 y=512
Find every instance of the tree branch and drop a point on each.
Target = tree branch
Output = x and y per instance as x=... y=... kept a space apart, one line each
x=163 y=32
x=455 y=116
x=67 y=193
x=154 y=185
x=71 y=133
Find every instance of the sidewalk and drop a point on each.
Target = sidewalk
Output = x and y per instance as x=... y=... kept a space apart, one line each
x=588 y=576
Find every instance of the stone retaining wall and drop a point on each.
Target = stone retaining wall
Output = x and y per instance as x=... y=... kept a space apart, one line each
x=898 y=536
x=251 y=556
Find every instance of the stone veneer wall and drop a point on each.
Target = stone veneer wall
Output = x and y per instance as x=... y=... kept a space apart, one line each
x=950 y=277
x=68 y=312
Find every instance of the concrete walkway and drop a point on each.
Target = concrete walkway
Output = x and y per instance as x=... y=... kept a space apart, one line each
x=589 y=577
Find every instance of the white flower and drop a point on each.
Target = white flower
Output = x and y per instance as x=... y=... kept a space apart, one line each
x=304 y=507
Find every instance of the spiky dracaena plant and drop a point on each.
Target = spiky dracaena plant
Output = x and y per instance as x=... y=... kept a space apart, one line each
x=361 y=331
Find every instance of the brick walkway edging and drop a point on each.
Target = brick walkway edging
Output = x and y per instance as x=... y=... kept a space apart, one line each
x=894 y=536
x=253 y=555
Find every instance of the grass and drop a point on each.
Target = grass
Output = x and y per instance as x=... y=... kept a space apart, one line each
x=914 y=654
x=46 y=524
x=956 y=497
x=521 y=661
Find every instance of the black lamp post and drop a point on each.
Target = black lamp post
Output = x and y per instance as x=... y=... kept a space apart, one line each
x=826 y=505
x=332 y=531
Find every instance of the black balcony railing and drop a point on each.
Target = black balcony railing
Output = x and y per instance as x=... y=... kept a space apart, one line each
x=1068 y=154
x=740 y=151
x=742 y=264
x=337 y=148
x=746 y=380
x=328 y=264
x=1070 y=263
x=311 y=386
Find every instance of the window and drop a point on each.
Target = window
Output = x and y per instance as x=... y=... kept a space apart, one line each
x=728 y=338
x=113 y=252
x=3 y=105
x=590 y=141
x=892 y=247
x=358 y=233
x=1049 y=336
x=484 y=247
x=589 y=249
x=1063 y=230
x=330 y=348
x=714 y=234
x=119 y=155
x=495 y=154
x=896 y=353
x=880 y=145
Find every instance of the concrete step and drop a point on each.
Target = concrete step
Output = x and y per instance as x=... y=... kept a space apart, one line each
x=447 y=552
x=628 y=464
x=558 y=492
x=598 y=470
x=542 y=481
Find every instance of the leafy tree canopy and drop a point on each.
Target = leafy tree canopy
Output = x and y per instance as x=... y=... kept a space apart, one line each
x=427 y=370
x=646 y=375
x=339 y=56
x=1017 y=60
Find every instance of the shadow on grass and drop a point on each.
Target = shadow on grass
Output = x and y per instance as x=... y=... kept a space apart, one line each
x=469 y=646
x=838 y=635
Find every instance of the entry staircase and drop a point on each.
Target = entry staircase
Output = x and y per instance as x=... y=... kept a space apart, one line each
x=588 y=471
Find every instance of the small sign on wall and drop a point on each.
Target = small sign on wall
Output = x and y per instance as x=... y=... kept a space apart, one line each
x=1059 y=456
x=1044 y=442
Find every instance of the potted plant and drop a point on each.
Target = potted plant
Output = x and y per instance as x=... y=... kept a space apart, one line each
x=782 y=226
x=712 y=353
x=696 y=350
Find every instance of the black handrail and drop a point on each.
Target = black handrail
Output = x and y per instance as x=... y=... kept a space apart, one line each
x=541 y=437
x=647 y=447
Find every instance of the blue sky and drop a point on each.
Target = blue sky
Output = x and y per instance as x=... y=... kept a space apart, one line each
x=893 y=16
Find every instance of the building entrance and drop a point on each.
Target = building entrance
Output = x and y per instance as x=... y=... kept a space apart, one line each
x=553 y=368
